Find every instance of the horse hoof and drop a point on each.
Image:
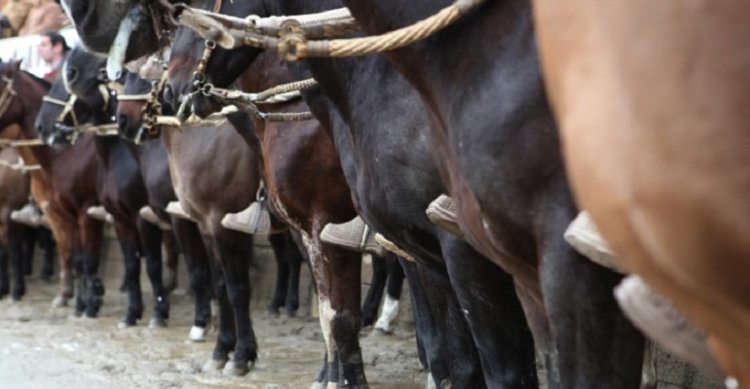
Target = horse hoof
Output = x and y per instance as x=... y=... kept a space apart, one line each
x=197 y=334
x=238 y=369
x=157 y=322
x=318 y=385
x=124 y=324
x=214 y=365
x=59 y=301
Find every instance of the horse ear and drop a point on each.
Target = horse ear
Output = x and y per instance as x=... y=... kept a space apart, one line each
x=16 y=64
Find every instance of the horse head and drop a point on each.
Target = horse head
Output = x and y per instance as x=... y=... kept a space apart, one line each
x=123 y=26
x=138 y=108
x=222 y=67
x=60 y=114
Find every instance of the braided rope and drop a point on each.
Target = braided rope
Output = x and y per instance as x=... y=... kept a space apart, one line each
x=282 y=89
x=388 y=41
x=278 y=94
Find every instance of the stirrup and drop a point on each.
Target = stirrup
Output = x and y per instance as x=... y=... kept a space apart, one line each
x=253 y=220
x=664 y=324
x=28 y=215
x=442 y=212
x=99 y=213
x=584 y=237
x=355 y=235
x=390 y=246
x=147 y=213
x=175 y=208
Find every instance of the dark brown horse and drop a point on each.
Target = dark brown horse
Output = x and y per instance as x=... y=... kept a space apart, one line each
x=202 y=158
x=122 y=191
x=307 y=189
x=64 y=188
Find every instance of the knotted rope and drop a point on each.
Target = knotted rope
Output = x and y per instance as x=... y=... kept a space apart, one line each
x=295 y=38
x=230 y=31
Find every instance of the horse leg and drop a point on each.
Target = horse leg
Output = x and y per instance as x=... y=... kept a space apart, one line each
x=294 y=261
x=393 y=293
x=441 y=330
x=227 y=336
x=65 y=239
x=493 y=312
x=4 y=275
x=375 y=291
x=337 y=275
x=81 y=295
x=151 y=238
x=91 y=238
x=235 y=252
x=128 y=240
x=278 y=244
x=44 y=236
x=171 y=262
x=595 y=346
x=191 y=245
x=16 y=234
x=28 y=238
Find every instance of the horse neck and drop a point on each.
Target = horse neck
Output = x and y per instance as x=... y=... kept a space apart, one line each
x=265 y=72
x=32 y=100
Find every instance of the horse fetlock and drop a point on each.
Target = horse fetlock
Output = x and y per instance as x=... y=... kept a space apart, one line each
x=197 y=334
x=157 y=322
x=97 y=288
x=238 y=368
x=60 y=301
x=353 y=375
x=214 y=364
x=93 y=306
x=18 y=292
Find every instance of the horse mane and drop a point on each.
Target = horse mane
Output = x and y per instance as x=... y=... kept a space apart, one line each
x=46 y=84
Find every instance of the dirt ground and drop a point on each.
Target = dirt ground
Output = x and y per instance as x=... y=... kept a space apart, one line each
x=42 y=347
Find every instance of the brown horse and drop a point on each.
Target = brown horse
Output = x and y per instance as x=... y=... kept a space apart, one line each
x=307 y=190
x=64 y=188
x=654 y=134
x=202 y=161
x=14 y=192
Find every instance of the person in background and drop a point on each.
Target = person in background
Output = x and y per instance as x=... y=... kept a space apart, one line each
x=14 y=13
x=53 y=49
x=45 y=15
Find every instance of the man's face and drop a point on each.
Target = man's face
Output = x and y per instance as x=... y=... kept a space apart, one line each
x=48 y=52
